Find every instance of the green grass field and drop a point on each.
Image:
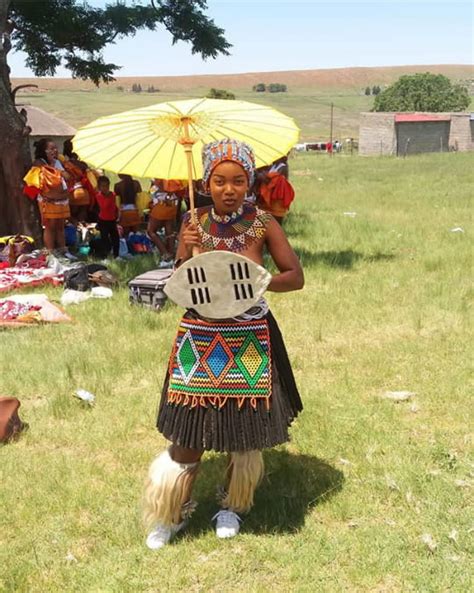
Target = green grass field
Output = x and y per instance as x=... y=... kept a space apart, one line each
x=345 y=506
x=310 y=107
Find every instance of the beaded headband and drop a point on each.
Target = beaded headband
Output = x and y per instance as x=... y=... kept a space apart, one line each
x=227 y=149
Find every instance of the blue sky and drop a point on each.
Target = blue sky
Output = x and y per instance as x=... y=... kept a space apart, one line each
x=270 y=35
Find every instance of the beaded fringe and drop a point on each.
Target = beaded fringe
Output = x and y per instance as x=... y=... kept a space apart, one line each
x=179 y=399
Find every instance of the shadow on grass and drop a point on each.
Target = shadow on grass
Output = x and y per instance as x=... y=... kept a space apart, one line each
x=339 y=259
x=292 y=486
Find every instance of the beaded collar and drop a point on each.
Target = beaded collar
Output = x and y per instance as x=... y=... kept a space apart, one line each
x=234 y=232
x=226 y=218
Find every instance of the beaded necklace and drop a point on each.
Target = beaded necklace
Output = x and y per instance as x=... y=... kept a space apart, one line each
x=233 y=232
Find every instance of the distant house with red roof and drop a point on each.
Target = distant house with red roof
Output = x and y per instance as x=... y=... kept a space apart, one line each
x=401 y=134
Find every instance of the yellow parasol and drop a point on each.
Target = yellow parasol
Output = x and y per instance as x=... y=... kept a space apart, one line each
x=166 y=140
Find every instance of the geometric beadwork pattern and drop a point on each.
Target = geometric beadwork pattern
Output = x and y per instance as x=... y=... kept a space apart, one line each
x=217 y=360
x=251 y=359
x=187 y=357
x=214 y=361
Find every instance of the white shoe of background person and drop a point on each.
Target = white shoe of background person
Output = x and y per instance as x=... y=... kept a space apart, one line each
x=166 y=263
x=162 y=534
x=227 y=523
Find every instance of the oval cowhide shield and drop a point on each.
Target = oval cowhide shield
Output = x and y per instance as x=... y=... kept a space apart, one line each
x=218 y=284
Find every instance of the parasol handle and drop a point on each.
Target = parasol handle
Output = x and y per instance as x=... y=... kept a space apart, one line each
x=189 y=159
x=188 y=143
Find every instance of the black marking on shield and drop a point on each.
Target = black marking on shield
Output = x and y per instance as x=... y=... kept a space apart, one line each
x=199 y=296
x=196 y=278
x=241 y=271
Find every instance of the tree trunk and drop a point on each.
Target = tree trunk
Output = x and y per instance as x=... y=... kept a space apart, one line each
x=17 y=213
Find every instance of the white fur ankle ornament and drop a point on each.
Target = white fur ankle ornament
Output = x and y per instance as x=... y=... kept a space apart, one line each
x=218 y=284
x=167 y=489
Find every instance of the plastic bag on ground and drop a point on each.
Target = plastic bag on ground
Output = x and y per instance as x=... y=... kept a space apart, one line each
x=101 y=292
x=74 y=297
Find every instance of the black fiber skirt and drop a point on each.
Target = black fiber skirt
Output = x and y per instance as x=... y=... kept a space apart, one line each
x=230 y=428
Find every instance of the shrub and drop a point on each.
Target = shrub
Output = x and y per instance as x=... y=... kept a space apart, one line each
x=422 y=92
x=220 y=94
x=276 y=87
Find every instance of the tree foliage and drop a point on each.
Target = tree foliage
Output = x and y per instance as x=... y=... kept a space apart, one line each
x=422 y=92
x=276 y=87
x=220 y=94
x=73 y=33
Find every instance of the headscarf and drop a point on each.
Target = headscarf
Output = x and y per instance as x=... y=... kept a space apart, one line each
x=215 y=153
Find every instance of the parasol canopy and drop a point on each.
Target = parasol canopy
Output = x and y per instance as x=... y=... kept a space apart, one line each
x=165 y=140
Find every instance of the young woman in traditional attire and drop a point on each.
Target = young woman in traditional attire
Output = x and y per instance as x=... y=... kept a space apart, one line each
x=47 y=182
x=275 y=192
x=127 y=190
x=229 y=385
x=165 y=200
x=79 y=183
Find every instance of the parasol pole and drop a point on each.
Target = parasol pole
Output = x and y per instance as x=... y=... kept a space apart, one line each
x=188 y=143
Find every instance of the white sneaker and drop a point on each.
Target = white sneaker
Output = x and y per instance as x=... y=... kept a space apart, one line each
x=68 y=255
x=162 y=534
x=227 y=523
x=165 y=263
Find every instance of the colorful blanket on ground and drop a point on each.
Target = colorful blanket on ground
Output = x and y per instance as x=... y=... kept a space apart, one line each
x=34 y=272
x=13 y=311
x=27 y=309
x=214 y=361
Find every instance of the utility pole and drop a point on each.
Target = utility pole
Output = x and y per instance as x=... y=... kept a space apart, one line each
x=330 y=129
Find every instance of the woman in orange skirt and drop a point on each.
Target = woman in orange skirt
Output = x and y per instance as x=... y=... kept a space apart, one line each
x=127 y=189
x=165 y=197
x=51 y=192
x=79 y=199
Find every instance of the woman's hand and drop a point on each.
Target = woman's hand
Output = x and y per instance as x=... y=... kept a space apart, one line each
x=190 y=239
